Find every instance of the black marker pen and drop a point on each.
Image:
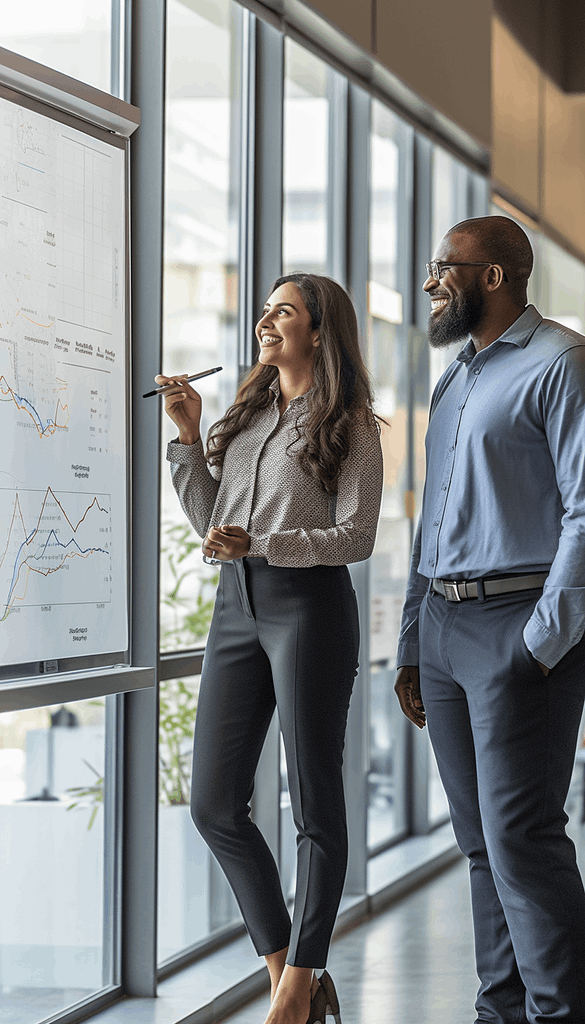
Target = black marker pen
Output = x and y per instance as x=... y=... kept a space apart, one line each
x=185 y=380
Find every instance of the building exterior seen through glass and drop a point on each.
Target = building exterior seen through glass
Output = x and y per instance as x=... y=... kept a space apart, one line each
x=72 y=36
x=304 y=243
x=387 y=359
x=57 y=911
x=450 y=204
x=194 y=899
x=200 y=270
x=200 y=282
x=306 y=148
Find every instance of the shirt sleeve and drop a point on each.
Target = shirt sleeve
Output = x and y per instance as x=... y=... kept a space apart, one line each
x=558 y=620
x=353 y=537
x=415 y=591
x=417 y=585
x=193 y=481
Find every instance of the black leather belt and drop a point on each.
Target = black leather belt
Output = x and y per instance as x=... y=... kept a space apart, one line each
x=462 y=590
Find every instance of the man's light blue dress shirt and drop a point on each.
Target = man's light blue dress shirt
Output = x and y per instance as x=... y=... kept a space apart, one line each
x=505 y=483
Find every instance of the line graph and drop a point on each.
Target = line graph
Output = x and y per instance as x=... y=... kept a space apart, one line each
x=63 y=400
x=56 y=548
x=45 y=428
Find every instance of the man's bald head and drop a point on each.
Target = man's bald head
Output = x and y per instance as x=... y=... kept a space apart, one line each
x=502 y=241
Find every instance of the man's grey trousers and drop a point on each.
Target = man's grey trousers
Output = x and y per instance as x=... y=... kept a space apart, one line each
x=504 y=736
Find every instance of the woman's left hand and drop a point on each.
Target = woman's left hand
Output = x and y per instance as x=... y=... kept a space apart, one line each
x=226 y=542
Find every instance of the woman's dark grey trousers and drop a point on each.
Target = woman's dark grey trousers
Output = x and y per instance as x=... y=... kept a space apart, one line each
x=286 y=638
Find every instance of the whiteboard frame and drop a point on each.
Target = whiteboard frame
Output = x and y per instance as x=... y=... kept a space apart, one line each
x=67 y=95
x=111 y=121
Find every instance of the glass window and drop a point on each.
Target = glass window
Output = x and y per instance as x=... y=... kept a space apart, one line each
x=203 y=124
x=449 y=203
x=453 y=195
x=449 y=206
x=288 y=833
x=534 y=282
x=438 y=807
x=194 y=899
x=306 y=132
x=387 y=357
x=72 y=36
x=557 y=284
x=307 y=103
x=562 y=285
x=55 y=872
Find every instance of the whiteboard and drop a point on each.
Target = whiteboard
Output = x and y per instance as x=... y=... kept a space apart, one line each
x=63 y=389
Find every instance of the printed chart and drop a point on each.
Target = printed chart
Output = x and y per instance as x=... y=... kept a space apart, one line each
x=63 y=533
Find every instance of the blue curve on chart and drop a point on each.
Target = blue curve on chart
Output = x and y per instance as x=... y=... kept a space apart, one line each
x=17 y=564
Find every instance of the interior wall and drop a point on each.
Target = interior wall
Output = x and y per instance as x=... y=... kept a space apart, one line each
x=563 y=163
x=511 y=73
x=538 y=140
x=443 y=53
x=516 y=114
x=354 y=17
x=423 y=49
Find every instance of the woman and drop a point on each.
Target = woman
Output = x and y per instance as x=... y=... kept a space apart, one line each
x=286 y=495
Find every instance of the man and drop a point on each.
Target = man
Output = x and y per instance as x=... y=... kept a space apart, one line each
x=491 y=647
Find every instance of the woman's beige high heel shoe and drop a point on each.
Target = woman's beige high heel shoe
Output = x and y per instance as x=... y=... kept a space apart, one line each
x=332 y=1007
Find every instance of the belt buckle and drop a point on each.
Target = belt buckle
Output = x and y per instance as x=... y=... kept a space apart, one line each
x=451 y=591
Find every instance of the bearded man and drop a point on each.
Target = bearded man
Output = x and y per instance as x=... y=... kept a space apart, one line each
x=491 y=648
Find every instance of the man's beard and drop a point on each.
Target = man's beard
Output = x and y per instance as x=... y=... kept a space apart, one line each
x=456 y=321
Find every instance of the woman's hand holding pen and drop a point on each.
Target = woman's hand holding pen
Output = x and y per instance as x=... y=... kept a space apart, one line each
x=183 y=405
x=226 y=542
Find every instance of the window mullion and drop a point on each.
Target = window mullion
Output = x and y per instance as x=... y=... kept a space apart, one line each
x=356 y=744
x=266 y=264
x=139 y=841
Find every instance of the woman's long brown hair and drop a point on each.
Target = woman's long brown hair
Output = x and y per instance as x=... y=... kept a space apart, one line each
x=341 y=388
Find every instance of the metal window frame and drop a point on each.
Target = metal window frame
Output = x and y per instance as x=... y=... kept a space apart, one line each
x=140 y=709
x=337 y=176
x=347 y=260
x=406 y=233
x=356 y=236
x=125 y=728
x=265 y=213
x=260 y=262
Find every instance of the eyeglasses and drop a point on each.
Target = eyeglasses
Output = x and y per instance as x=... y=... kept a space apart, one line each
x=437 y=269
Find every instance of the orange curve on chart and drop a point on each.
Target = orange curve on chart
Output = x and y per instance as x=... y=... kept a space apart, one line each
x=17 y=514
x=35 y=322
x=61 y=409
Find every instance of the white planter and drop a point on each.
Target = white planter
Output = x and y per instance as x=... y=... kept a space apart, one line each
x=51 y=894
x=183 y=882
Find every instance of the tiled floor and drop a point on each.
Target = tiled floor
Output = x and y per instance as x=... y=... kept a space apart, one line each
x=412 y=964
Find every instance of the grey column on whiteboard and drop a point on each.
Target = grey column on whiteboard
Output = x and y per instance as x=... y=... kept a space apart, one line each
x=140 y=708
x=266 y=246
x=357 y=738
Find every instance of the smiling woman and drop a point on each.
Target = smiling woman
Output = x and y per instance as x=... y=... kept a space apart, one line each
x=314 y=351
x=286 y=496
x=288 y=340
